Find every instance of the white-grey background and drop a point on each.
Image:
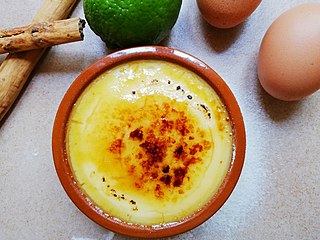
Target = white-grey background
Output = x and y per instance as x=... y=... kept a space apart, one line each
x=278 y=194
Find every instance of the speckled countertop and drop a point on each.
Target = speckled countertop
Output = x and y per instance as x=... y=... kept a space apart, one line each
x=278 y=194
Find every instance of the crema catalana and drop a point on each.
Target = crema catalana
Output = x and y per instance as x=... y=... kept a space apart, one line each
x=149 y=142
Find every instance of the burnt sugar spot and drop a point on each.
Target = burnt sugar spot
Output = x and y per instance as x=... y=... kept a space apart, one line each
x=154 y=149
x=137 y=185
x=158 y=192
x=179 y=174
x=166 y=169
x=154 y=175
x=196 y=148
x=166 y=179
x=182 y=125
x=116 y=146
x=166 y=124
x=178 y=152
x=132 y=170
x=205 y=109
x=137 y=134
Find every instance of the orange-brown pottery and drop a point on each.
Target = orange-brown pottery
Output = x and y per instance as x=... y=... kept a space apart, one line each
x=160 y=186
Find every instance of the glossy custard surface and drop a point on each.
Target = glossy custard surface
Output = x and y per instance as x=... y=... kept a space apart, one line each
x=149 y=142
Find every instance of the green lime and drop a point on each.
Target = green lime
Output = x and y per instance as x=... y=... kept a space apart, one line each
x=127 y=23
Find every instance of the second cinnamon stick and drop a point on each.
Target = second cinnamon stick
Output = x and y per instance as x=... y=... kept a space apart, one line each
x=41 y=35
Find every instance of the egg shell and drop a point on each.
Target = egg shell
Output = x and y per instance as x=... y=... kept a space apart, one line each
x=289 y=56
x=226 y=13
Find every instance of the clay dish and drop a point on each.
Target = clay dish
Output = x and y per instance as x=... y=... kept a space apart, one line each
x=69 y=181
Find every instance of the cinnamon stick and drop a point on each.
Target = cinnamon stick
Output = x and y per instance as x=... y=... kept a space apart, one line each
x=41 y=35
x=16 y=68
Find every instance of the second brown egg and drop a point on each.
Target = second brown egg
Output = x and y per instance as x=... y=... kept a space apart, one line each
x=226 y=13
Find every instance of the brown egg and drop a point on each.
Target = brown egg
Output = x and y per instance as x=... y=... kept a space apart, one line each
x=226 y=13
x=289 y=56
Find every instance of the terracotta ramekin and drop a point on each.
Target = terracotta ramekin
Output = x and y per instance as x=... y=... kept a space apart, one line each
x=61 y=159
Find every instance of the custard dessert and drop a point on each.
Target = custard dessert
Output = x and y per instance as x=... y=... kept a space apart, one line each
x=149 y=142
